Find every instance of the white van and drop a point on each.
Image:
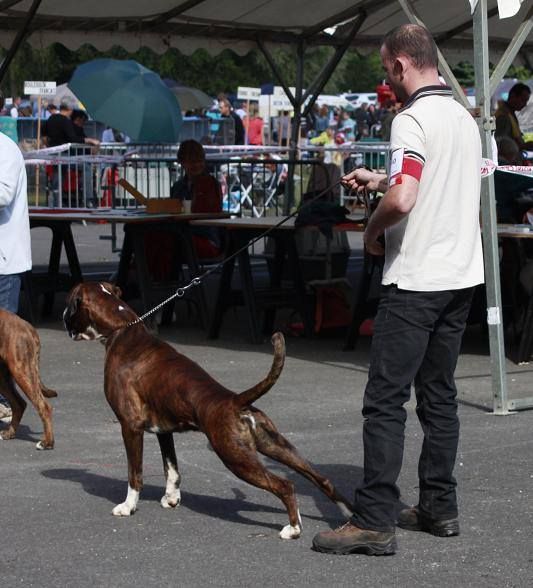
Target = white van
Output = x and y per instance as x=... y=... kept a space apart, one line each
x=358 y=98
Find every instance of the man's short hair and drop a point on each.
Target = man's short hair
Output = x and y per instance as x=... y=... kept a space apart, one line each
x=519 y=89
x=77 y=113
x=66 y=105
x=415 y=42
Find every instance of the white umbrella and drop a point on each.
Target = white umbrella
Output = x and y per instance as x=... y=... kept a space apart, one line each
x=63 y=93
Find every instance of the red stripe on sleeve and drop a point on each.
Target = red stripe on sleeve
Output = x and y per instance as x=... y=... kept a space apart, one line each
x=412 y=167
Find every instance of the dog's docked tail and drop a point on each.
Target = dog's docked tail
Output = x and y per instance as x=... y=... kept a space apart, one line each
x=252 y=394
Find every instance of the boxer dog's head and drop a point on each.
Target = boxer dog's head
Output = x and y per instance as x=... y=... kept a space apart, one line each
x=94 y=310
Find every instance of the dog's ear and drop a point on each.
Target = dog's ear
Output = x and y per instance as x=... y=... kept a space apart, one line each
x=117 y=291
x=112 y=288
x=73 y=304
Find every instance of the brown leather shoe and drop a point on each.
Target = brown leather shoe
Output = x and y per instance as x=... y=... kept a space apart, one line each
x=413 y=520
x=352 y=539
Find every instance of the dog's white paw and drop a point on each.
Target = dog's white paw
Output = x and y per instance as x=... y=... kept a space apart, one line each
x=290 y=532
x=123 y=510
x=171 y=501
x=129 y=506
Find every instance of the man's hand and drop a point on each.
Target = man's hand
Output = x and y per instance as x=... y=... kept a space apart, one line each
x=373 y=246
x=362 y=178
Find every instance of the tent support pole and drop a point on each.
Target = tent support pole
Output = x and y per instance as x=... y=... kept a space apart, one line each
x=322 y=79
x=17 y=42
x=295 y=127
x=488 y=215
x=275 y=70
x=512 y=51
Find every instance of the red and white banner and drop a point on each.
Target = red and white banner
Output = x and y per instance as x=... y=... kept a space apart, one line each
x=488 y=167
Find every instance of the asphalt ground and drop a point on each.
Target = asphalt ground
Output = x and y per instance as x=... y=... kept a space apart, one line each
x=57 y=528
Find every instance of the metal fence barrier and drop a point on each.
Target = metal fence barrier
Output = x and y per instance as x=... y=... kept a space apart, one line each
x=253 y=186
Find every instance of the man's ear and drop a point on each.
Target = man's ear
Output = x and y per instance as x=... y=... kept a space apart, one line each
x=398 y=67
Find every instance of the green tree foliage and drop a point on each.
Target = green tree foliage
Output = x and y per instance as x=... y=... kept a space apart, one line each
x=219 y=73
x=464 y=72
x=361 y=73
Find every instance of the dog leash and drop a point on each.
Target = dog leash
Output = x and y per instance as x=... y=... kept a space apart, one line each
x=196 y=281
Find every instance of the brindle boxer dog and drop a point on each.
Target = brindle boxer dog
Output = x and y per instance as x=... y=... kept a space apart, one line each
x=19 y=361
x=151 y=387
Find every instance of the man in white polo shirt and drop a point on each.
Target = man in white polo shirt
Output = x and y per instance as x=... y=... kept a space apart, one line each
x=433 y=260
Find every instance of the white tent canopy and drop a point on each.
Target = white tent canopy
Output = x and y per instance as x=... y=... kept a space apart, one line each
x=238 y=24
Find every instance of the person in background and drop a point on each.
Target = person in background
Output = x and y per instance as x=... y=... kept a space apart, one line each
x=14 y=111
x=202 y=193
x=283 y=128
x=510 y=188
x=506 y=121
x=387 y=118
x=322 y=119
x=79 y=118
x=25 y=110
x=361 y=118
x=15 y=242
x=50 y=110
x=240 y=110
x=327 y=139
x=226 y=111
x=347 y=126
x=253 y=126
x=431 y=269
x=372 y=116
x=110 y=135
x=59 y=128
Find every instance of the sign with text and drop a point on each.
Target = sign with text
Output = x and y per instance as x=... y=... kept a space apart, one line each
x=40 y=88
x=279 y=91
x=245 y=93
x=280 y=103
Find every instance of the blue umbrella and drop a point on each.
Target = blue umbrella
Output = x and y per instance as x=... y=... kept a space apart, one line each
x=129 y=97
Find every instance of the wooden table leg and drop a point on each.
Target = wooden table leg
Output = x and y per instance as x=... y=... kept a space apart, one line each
x=72 y=255
x=53 y=268
x=224 y=290
x=306 y=311
x=245 y=271
x=191 y=259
